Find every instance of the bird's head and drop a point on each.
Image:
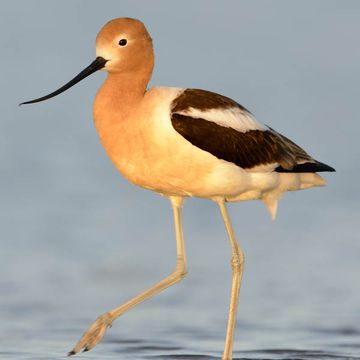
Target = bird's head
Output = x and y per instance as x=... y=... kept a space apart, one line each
x=123 y=46
x=126 y=45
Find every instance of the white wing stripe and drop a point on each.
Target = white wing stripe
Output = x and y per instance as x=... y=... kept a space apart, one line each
x=234 y=118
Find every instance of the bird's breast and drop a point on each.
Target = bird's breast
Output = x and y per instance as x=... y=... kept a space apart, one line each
x=146 y=149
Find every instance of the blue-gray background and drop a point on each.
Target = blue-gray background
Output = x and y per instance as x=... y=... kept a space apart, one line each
x=77 y=239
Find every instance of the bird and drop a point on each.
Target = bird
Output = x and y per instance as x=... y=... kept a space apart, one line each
x=181 y=143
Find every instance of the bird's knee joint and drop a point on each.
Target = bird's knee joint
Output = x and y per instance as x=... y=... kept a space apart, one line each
x=237 y=262
x=182 y=274
x=181 y=268
x=182 y=271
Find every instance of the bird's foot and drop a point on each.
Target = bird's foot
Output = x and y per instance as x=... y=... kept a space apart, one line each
x=93 y=334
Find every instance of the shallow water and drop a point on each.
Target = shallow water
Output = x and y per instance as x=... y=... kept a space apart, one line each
x=293 y=303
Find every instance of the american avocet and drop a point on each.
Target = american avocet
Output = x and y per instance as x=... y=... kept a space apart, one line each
x=181 y=143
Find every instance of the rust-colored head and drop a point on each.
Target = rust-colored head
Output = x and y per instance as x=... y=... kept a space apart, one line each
x=126 y=45
x=122 y=46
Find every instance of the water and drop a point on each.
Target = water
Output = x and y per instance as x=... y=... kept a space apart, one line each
x=299 y=299
x=45 y=325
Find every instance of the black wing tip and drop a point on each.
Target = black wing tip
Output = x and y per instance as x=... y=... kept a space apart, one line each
x=329 y=168
x=307 y=167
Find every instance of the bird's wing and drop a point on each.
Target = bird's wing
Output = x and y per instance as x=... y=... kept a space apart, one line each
x=227 y=130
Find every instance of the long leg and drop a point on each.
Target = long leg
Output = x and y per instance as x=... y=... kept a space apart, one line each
x=237 y=266
x=97 y=330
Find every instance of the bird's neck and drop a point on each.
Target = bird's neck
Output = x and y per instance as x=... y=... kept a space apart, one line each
x=117 y=102
x=120 y=93
x=119 y=96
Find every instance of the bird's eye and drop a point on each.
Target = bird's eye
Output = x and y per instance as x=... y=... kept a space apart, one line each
x=123 y=42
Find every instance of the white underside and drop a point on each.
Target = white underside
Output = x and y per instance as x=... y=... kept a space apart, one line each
x=235 y=184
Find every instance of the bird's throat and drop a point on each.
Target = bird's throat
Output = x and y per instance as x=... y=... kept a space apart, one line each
x=119 y=96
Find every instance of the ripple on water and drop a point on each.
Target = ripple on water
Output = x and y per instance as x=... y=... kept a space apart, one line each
x=143 y=350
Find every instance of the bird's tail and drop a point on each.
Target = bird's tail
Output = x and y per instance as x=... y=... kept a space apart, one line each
x=290 y=182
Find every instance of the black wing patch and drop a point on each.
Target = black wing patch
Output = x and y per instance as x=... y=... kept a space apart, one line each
x=245 y=149
x=203 y=100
